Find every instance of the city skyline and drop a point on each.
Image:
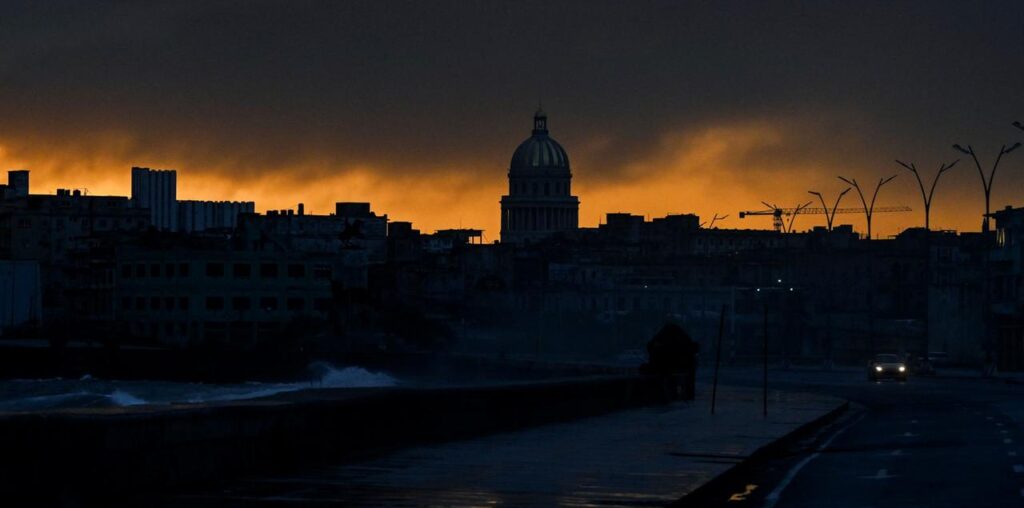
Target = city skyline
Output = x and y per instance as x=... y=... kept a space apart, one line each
x=663 y=108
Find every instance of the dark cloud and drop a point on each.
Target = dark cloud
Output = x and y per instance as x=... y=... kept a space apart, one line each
x=410 y=87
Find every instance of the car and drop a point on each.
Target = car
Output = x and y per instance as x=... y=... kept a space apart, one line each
x=887 y=366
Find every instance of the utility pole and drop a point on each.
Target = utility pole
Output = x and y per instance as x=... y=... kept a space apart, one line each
x=869 y=209
x=927 y=196
x=764 y=394
x=718 y=358
x=986 y=184
x=829 y=216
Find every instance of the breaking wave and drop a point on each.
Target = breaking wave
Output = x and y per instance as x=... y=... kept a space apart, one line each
x=88 y=392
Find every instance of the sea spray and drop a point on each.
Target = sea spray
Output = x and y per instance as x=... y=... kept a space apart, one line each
x=329 y=376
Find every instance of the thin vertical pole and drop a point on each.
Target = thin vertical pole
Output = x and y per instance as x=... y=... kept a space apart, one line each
x=765 y=358
x=718 y=358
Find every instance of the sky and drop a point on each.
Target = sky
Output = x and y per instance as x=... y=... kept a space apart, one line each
x=416 y=107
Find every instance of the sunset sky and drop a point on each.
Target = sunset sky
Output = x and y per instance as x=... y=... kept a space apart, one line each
x=663 y=107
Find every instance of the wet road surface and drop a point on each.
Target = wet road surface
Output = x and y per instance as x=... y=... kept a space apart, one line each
x=930 y=442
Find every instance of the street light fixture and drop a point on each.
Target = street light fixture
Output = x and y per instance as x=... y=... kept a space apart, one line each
x=927 y=196
x=986 y=184
x=830 y=215
x=869 y=209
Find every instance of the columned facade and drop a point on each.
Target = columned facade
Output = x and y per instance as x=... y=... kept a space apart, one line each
x=539 y=202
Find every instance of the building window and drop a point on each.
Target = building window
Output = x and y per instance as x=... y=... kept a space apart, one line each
x=240 y=303
x=322 y=304
x=126 y=271
x=183 y=303
x=214 y=303
x=169 y=303
x=126 y=303
x=296 y=304
x=140 y=303
x=214 y=269
x=154 y=303
x=296 y=271
x=268 y=303
x=169 y=270
x=242 y=270
x=268 y=270
x=183 y=269
x=140 y=270
x=321 y=271
x=154 y=270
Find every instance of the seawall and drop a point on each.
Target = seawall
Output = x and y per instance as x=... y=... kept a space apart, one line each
x=113 y=452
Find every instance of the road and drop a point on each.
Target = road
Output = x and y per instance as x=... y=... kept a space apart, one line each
x=929 y=442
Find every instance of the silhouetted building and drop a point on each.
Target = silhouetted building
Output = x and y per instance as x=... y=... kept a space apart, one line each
x=192 y=294
x=352 y=226
x=194 y=216
x=17 y=184
x=157 y=191
x=61 y=232
x=1006 y=284
x=539 y=201
x=20 y=294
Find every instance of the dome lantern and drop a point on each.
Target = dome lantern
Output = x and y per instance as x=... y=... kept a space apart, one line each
x=540 y=122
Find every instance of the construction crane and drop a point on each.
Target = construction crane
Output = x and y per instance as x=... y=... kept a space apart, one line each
x=781 y=226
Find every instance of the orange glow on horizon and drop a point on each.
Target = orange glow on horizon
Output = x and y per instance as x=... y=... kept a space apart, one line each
x=719 y=169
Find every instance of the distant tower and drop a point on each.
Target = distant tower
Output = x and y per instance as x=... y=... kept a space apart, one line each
x=539 y=201
x=157 y=190
x=17 y=183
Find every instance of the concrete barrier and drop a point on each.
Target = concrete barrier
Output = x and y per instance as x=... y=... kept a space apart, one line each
x=115 y=452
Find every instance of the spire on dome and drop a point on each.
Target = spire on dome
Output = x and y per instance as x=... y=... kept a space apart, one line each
x=540 y=122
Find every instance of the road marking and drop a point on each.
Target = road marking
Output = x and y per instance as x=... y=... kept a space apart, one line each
x=1007 y=441
x=1021 y=492
x=742 y=496
x=882 y=474
x=896 y=453
x=1011 y=454
x=773 y=497
x=913 y=421
x=1004 y=431
x=988 y=417
x=909 y=434
x=999 y=424
x=1018 y=468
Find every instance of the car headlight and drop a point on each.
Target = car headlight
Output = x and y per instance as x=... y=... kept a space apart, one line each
x=878 y=368
x=903 y=369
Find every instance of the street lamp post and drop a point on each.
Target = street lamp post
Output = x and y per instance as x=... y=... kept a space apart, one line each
x=986 y=184
x=714 y=219
x=927 y=196
x=869 y=209
x=829 y=216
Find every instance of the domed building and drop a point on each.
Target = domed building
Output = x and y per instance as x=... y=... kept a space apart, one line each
x=539 y=201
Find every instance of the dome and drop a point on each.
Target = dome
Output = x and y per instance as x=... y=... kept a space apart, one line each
x=539 y=150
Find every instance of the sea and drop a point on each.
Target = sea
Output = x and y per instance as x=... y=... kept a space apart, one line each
x=34 y=395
